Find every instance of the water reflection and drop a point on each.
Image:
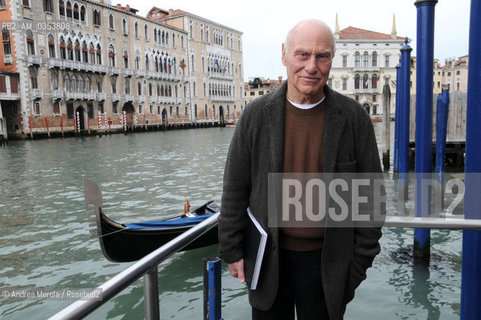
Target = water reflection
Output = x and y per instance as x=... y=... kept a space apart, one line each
x=44 y=238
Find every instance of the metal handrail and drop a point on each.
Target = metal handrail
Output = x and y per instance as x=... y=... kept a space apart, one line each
x=432 y=223
x=146 y=266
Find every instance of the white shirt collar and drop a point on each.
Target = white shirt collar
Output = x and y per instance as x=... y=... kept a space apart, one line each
x=306 y=106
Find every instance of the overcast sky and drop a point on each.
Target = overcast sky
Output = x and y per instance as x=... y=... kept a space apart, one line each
x=264 y=23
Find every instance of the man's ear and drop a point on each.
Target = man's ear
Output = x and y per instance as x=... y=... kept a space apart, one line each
x=284 y=58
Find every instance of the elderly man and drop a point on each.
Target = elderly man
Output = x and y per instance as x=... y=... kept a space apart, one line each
x=304 y=126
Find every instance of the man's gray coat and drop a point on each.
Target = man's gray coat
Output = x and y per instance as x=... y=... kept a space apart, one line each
x=257 y=148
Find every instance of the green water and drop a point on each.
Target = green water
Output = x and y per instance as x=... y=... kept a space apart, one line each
x=45 y=242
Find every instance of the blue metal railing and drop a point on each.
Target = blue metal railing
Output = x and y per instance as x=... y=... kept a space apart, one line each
x=146 y=267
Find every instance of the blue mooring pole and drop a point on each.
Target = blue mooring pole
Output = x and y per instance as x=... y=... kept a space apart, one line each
x=397 y=118
x=442 y=111
x=404 y=112
x=212 y=288
x=424 y=121
x=471 y=263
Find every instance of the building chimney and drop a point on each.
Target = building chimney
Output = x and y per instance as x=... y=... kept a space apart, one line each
x=127 y=8
x=280 y=79
x=119 y=6
x=171 y=12
x=101 y=1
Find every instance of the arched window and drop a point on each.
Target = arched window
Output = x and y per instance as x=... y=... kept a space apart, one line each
x=99 y=84
x=99 y=54
x=111 y=56
x=124 y=26
x=77 y=51
x=85 y=52
x=51 y=46
x=61 y=8
x=374 y=81
x=47 y=6
x=73 y=83
x=139 y=88
x=69 y=50
x=80 y=84
x=357 y=59
x=166 y=39
x=147 y=65
x=63 y=52
x=137 y=63
x=374 y=59
x=76 y=12
x=96 y=18
x=66 y=83
x=365 y=59
x=87 y=88
x=126 y=59
x=150 y=89
x=92 y=53
x=136 y=30
x=69 y=10
x=146 y=32
x=356 y=81
x=127 y=85
x=365 y=81
x=30 y=42
x=111 y=22
x=82 y=13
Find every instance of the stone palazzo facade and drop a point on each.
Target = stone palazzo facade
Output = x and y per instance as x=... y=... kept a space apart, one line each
x=80 y=66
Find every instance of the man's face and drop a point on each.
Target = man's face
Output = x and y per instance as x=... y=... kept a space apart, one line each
x=308 y=61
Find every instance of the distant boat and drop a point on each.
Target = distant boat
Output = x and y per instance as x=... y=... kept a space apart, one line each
x=230 y=123
x=132 y=241
x=376 y=118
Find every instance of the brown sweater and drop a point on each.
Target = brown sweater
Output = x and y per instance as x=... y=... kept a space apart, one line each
x=303 y=153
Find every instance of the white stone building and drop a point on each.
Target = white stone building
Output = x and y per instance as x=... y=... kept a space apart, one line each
x=364 y=62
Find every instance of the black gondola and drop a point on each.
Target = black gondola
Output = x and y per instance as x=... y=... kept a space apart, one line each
x=131 y=242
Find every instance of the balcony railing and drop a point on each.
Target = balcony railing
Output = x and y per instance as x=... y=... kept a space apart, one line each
x=114 y=70
x=139 y=73
x=222 y=76
x=101 y=96
x=55 y=63
x=34 y=60
x=90 y=95
x=221 y=98
x=57 y=94
x=129 y=97
x=366 y=69
x=8 y=59
x=153 y=99
x=73 y=95
x=142 y=99
x=37 y=93
x=367 y=91
x=115 y=97
x=128 y=72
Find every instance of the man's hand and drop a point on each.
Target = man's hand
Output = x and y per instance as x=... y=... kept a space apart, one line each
x=237 y=270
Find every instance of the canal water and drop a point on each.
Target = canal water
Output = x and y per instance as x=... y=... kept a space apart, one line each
x=45 y=243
